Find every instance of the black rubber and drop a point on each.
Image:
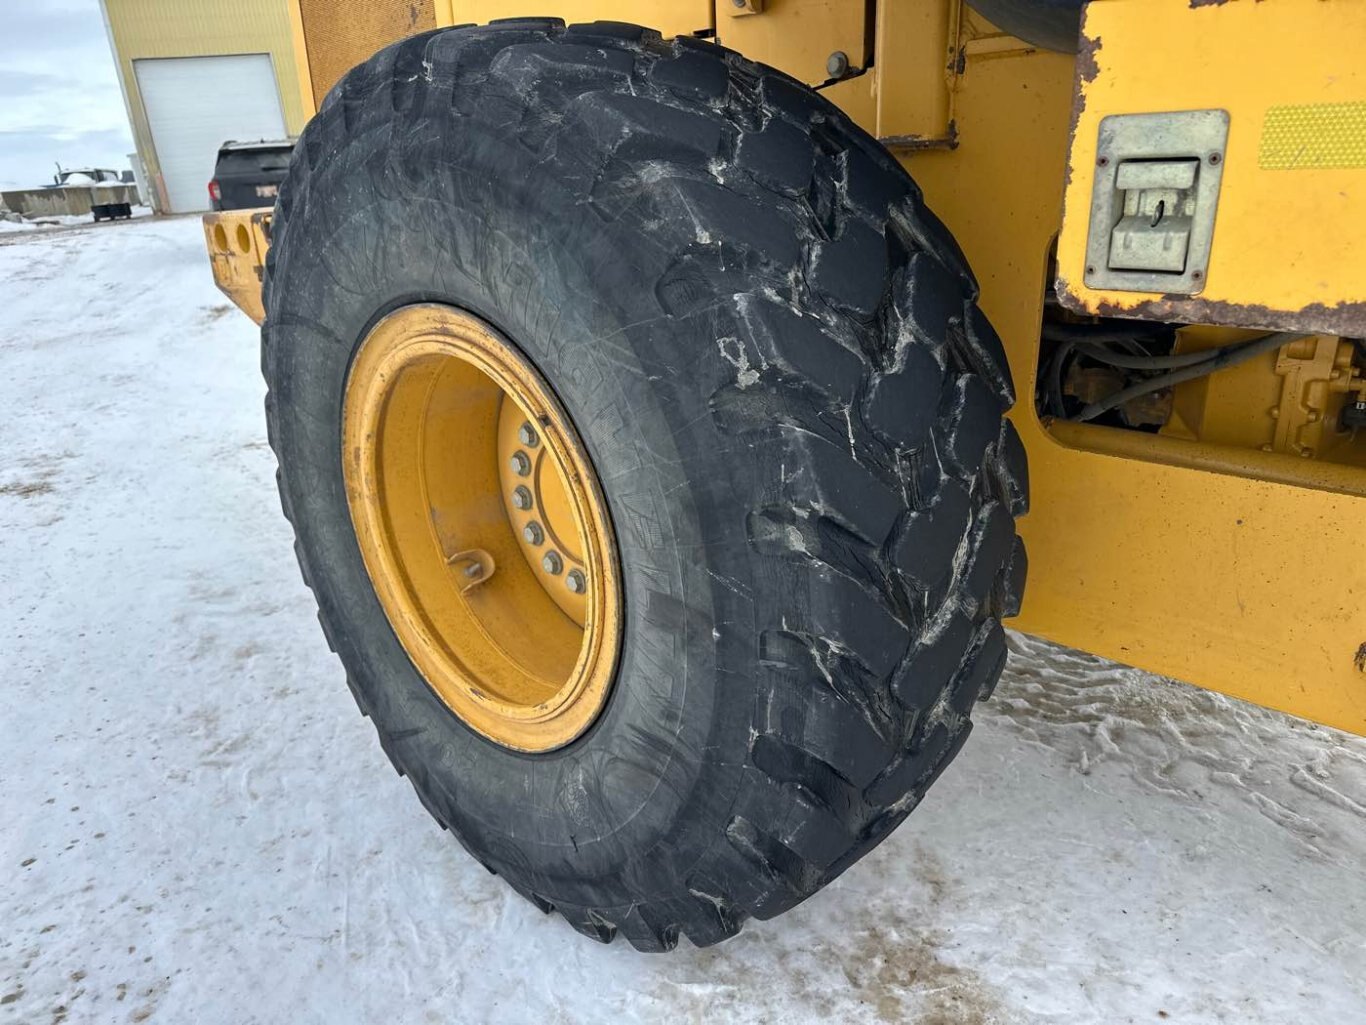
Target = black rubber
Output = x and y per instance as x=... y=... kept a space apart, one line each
x=771 y=350
x=1051 y=24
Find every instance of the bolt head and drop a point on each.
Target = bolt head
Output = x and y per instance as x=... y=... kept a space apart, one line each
x=575 y=582
x=552 y=563
x=533 y=533
x=527 y=435
x=837 y=64
x=521 y=463
x=521 y=497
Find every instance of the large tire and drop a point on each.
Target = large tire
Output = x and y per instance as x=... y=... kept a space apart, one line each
x=772 y=353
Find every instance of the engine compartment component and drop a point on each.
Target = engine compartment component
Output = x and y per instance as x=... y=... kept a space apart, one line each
x=1274 y=392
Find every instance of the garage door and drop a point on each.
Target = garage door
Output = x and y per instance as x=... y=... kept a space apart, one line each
x=194 y=105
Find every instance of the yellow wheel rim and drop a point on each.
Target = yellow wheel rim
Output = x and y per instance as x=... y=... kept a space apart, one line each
x=482 y=526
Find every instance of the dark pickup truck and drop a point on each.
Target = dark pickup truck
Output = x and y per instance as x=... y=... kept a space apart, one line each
x=248 y=174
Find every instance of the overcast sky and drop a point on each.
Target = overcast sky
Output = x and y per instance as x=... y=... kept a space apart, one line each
x=59 y=95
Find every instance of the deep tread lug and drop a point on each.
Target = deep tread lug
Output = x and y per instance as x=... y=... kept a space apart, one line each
x=694 y=74
x=993 y=536
x=925 y=542
x=986 y=354
x=615 y=31
x=902 y=406
x=851 y=271
x=971 y=423
x=780 y=157
x=932 y=659
x=1010 y=592
x=1013 y=469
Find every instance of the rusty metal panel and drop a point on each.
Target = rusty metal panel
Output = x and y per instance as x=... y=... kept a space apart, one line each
x=339 y=34
x=1287 y=252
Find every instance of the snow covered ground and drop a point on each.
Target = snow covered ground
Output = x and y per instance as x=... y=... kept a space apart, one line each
x=50 y=222
x=198 y=827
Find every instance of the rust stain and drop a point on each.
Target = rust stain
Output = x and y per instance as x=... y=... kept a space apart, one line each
x=914 y=143
x=1360 y=659
x=1196 y=4
x=1344 y=318
x=1088 y=68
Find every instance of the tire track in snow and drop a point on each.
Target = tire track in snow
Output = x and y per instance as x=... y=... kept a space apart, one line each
x=1186 y=742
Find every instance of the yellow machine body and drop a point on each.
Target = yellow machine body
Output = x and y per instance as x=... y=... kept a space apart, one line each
x=237 y=241
x=1288 y=251
x=1224 y=549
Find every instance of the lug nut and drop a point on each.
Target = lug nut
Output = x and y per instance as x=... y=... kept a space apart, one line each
x=527 y=435
x=521 y=464
x=521 y=497
x=533 y=533
x=552 y=563
x=575 y=582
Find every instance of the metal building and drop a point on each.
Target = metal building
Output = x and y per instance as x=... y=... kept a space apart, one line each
x=196 y=73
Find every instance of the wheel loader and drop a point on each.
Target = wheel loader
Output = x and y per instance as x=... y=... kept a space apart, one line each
x=657 y=408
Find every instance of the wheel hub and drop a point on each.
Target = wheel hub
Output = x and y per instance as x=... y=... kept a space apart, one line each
x=541 y=511
x=482 y=526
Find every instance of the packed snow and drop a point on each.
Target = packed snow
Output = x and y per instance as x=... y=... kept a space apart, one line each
x=199 y=827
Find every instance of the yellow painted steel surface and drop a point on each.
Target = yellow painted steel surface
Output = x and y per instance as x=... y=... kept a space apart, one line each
x=915 y=89
x=339 y=34
x=1288 y=250
x=237 y=241
x=800 y=34
x=1251 y=587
